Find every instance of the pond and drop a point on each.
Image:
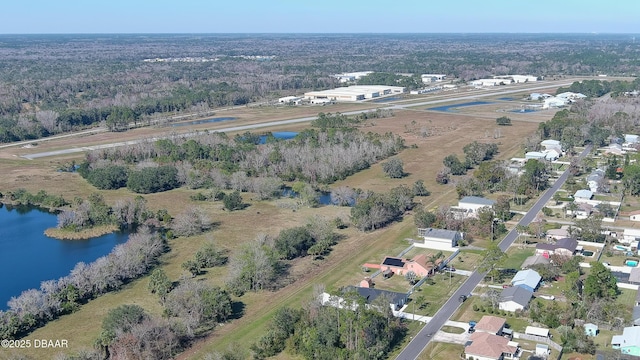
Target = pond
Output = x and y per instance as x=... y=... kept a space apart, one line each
x=280 y=135
x=451 y=108
x=204 y=121
x=28 y=257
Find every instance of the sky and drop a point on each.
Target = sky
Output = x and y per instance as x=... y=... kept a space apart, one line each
x=323 y=16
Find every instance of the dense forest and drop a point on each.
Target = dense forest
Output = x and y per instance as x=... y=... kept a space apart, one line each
x=56 y=83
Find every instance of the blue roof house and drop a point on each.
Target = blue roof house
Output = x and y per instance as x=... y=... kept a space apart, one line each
x=528 y=279
x=629 y=342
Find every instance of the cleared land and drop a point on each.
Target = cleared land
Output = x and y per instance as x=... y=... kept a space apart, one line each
x=448 y=133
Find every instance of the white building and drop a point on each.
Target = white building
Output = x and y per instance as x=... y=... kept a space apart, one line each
x=351 y=76
x=630 y=138
x=354 y=93
x=469 y=205
x=439 y=239
x=430 y=78
x=550 y=143
x=554 y=102
x=629 y=236
x=290 y=100
x=491 y=82
x=571 y=96
x=537 y=331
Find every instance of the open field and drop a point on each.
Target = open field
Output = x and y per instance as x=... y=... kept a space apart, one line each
x=448 y=133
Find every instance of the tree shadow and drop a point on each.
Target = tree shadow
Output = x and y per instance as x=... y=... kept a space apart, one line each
x=237 y=310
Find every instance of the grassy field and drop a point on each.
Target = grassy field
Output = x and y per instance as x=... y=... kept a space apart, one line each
x=448 y=133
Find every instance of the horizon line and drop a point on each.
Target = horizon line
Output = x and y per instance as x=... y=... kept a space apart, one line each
x=328 y=33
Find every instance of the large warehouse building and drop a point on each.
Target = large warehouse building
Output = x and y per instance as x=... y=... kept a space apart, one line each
x=353 y=93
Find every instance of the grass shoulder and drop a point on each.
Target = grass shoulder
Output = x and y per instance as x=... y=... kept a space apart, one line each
x=65 y=234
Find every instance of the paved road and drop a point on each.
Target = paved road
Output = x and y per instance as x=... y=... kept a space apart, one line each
x=396 y=106
x=420 y=341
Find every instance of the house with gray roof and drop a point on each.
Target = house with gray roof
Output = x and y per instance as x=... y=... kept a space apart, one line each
x=469 y=205
x=528 y=279
x=636 y=316
x=440 y=239
x=515 y=298
x=395 y=299
x=564 y=247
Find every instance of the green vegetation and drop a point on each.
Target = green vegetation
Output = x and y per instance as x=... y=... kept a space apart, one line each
x=503 y=120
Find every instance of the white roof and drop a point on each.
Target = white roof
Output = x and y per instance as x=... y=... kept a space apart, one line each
x=550 y=142
x=476 y=200
x=583 y=194
x=533 y=330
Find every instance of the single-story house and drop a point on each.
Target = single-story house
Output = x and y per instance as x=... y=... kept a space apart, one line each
x=629 y=342
x=595 y=179
x=634 y=215
x=396 y=299
x=440 y=238
x=486 y=346
x=535 y=260
x=515 y=298
x=420 y=265
x=591 y=329
x=557 y=234
x=542 y=350
x=634 y=277
x=550 y=143
x=614 y=149
x=629 y=236
x=529 y=279
x=471 y=204
x=552 y=154
x=536 y=331
x=636 y=316
x=536 y=155
x=491 y=324
x=582 y=211
x=563 y=247
x=583 y=195
x=630 y=138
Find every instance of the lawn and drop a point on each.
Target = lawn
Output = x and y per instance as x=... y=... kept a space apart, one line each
x=435 y=295
x=516 y=256
x=441 y=351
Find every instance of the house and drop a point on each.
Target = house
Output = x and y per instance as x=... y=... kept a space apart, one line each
x=542 y=350
x=536 y=331
x=635 y=316
x=634 y=277
x=536 y=155
x=552 y=154
x=557 y=234
x=629 y=236
x=395 y=299
x=634 y=215
x=550 y=143
x=535 y=260
x=562 y=247
x=629 y=342
x=590 y=329
x=515 y=298
x=582 y=210
x=630 y=138
x=420 y=265
x=614 y=149
x=439 y=238
x=582 y=195
x=471 y=204
x=486 y=346
x=595 y=179
x=528 y=279
x=491 y=324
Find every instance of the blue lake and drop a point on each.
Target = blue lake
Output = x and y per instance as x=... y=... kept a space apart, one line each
x=205 y=121
x=450 y=108
x=28 y=257
x=280 y=135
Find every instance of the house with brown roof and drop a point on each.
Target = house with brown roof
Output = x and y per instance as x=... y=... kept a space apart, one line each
x=491 y=324
x=487 y=346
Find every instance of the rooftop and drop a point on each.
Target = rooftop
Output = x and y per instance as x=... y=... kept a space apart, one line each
x=476 y=200
x=438 y=233
x=489 y=345
x=490 y=324
x=516 y=294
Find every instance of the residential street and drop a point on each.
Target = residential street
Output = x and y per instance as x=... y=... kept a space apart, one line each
x=422 y=339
